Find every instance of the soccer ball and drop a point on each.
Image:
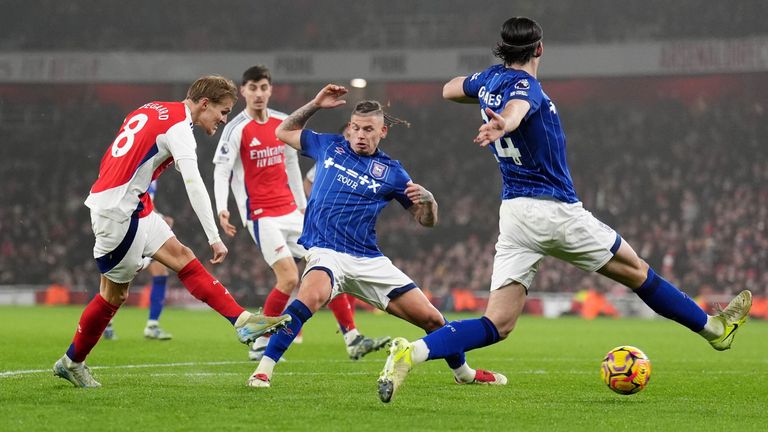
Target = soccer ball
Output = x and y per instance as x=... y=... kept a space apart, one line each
x=626 y=370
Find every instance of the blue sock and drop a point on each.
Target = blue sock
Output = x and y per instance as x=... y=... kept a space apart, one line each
x=668 y=301
x=157 y=297
x=454 y=361
x=280 y=341
x=458 y=337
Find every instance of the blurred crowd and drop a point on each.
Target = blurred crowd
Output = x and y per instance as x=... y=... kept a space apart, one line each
x=685 y=183
x=267 y=25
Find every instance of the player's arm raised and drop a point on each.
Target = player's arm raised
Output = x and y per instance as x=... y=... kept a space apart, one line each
x=290 y=129
x=453 y=90
x=424 y=208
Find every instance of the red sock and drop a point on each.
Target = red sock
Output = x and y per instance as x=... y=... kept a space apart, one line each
x=275 y=303
x=343 y=313
x=351 y=300
x=93 y=321
x=205 y=288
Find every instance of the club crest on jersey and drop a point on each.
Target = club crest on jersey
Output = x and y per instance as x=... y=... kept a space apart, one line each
x=339 y=150
x=523 y=84
x=378 y=170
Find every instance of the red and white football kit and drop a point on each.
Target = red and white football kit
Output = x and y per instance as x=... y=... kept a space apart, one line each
x=150 y=139
x=266 y=181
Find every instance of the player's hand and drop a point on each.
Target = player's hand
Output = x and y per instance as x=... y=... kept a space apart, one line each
x=219 y=252
x=330 y=96
x=491 y=131
x=418 y=194
x=228 y=228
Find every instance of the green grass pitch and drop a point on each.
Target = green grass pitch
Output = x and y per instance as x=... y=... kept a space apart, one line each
x=197 y=380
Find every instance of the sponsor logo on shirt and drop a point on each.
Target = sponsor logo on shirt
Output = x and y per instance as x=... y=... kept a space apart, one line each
x=523 y=84
x=339 y=150
x=254 y=142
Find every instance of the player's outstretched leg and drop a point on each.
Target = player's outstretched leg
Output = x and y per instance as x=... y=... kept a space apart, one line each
x=733 y=318
x=670 y=302
x=205 y=288
x=299 y=314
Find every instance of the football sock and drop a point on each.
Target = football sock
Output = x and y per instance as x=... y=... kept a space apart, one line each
x=343 y=313
x=157 y=297
x=351 y=300
x=275 y=303
x=93 y=321
x=266 y=366
x=205 y=288
x=455 y=361
x=350 y=336
x=280 y=341
x=458 y=337
x=713 y=329
x=668 y=301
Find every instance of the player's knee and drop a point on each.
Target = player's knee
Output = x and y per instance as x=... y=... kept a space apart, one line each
x=504 y=326
x=287 y=284
x=313 y=297
x=639 y=272
x=433 y=322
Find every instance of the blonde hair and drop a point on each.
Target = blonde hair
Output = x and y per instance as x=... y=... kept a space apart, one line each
x=372 y=107
x=214 y=87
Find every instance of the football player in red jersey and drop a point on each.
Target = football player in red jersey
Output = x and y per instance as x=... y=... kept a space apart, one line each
x=126 y=229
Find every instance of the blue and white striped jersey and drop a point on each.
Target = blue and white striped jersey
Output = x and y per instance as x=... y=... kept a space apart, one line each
x=532 y=157
x=348 y=195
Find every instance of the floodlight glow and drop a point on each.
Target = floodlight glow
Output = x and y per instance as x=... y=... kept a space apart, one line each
x=358 y=83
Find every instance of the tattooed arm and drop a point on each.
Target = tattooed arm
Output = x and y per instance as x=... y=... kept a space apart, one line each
x=290 y=129
x=424 y=208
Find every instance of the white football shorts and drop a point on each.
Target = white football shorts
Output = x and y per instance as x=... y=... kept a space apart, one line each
x=375 y=281
x=121 y=246
x=278 y=236
x=531 y=228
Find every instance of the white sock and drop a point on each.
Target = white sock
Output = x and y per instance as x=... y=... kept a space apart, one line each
x=464 y=373
x=242 y=318
x=350 y=336
x=419 y=352
x=261 y=342
x=69 y=363
x=713 y=329
x=266 y=366
x=151 y=323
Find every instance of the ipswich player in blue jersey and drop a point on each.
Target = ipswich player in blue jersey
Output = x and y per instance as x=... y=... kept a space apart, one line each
x=541 y=215
x=353 y=183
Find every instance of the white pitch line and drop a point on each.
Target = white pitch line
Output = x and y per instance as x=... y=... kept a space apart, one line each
x=509 y=370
